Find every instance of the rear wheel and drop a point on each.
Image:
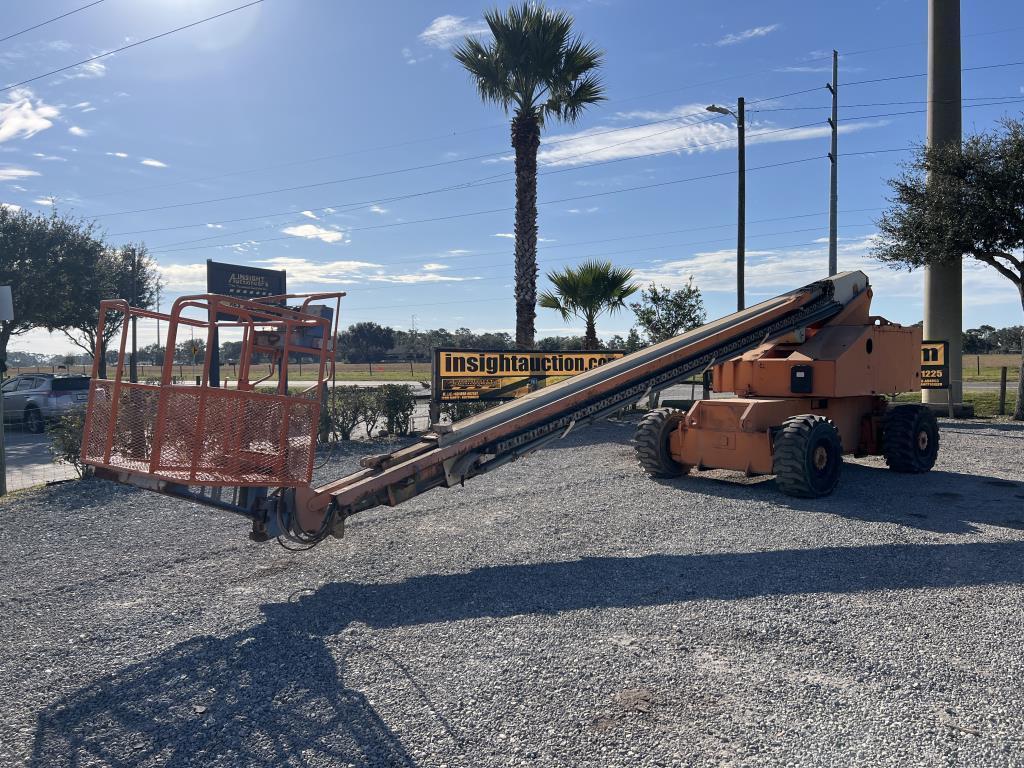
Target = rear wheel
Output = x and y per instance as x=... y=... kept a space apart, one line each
x=808 y=456
x=910 y=438
x=34 y=420
x=652 y=443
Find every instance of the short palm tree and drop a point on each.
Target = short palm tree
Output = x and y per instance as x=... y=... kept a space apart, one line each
x=534 y=67
x=587 y=292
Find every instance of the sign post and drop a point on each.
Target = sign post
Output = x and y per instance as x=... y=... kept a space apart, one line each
x=241 y=283
x=7 y=316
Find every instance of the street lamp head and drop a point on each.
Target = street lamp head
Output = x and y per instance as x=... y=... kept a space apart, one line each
x=719 y=110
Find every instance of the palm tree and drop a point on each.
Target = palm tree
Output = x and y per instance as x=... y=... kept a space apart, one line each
x=536 y=68
x=587 y=292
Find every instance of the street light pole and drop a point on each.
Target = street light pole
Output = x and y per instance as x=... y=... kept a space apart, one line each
x=741 y=190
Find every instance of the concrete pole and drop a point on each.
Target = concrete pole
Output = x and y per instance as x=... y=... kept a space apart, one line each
x=741 y=216
x=833 y=156
x=943 y=285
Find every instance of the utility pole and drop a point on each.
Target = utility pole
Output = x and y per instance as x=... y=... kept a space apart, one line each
x=741 y=204
x=833 y=156
x=943 y=284
x=741 y=189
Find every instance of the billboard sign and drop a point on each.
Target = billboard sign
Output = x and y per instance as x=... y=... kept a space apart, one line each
x=501 y=374
x=935 y=365
x=244 y=282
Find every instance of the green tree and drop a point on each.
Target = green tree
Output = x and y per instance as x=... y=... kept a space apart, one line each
x=536 y=68
x=366 y=343
x=128 y=272
x=46 y=260
x=587 y=292
x=957 y=201
x=663 y=313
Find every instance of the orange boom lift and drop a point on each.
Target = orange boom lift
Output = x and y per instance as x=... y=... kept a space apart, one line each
x=810 y=369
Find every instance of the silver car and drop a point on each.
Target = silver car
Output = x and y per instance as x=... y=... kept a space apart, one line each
x=33 y=399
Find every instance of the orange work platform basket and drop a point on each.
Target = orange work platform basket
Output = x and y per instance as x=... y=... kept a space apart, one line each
x=206 y=433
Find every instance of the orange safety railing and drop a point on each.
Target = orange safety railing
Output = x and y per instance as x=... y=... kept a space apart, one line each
x=206 y=434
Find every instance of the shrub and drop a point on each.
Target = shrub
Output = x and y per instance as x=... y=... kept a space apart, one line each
x=396 y=403
x=66 y=442
x=459 y=410
x=346 y=410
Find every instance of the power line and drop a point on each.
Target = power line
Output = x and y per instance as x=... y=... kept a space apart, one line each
x=130 y=45
x=505 y=210
x=49 y=21
x=925 y=74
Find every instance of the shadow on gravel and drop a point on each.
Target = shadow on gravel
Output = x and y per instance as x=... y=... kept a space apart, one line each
x=938 y=501
x=273 y=694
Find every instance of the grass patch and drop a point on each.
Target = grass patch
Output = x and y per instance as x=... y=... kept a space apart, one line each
x=985 y=403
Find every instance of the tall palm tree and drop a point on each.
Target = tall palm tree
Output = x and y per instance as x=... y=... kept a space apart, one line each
x=534 y=67
x=587 y=292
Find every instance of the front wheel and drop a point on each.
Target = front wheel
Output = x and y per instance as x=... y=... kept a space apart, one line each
x=808 y=456
x=652 y=443
x=910 y=438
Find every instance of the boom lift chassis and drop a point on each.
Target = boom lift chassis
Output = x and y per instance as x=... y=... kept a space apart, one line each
x=248 y=454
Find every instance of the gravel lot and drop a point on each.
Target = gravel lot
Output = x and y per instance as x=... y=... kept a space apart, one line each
x=562 y=611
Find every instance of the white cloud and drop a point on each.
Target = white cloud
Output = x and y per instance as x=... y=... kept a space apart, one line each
x=153 y=163
x=10 y=173
x=378 y=209
x=434 y=267
x=692 y=134
x=117 y=154
x=22 y=116
x=747 y=34
x=11 y=207
x=303 y=271
x=183 y=277
x=313 y=232
x=45 y=201
x=43 y=156
x=445 y=31
x=409 y=279
x=81 y=105
x=88 y=71
x=75 y=130
x=592 y=209
x=511 y=236
x=215 y=226
x=309 y=215
x=411 y=58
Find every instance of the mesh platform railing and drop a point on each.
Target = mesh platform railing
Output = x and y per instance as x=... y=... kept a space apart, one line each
x=202 y=435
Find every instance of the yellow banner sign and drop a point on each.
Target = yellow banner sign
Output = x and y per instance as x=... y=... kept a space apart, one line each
x=935 y=365
x=474 y=374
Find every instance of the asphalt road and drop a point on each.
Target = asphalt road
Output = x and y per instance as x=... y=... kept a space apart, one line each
x=29 y=462
x=565 y=610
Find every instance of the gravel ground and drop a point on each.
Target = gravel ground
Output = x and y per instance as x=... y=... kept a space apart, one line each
x=562 y=611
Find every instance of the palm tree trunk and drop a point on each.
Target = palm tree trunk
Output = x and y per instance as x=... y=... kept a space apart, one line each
x=525 y=142
x=590 y=339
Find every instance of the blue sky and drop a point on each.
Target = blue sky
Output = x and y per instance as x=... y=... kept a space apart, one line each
x=335 y=101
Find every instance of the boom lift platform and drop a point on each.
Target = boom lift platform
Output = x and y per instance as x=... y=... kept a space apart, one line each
x=811 y=366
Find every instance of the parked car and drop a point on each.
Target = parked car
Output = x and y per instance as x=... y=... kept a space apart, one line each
x=33 y=399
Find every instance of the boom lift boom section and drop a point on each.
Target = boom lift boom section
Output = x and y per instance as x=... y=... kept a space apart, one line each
x=474 y=446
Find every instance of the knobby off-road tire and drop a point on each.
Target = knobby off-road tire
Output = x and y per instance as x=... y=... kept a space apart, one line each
x=652 y=443
x=910 y=438
x=808 y=456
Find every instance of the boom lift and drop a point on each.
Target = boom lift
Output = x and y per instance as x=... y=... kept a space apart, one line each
x=811 y=368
